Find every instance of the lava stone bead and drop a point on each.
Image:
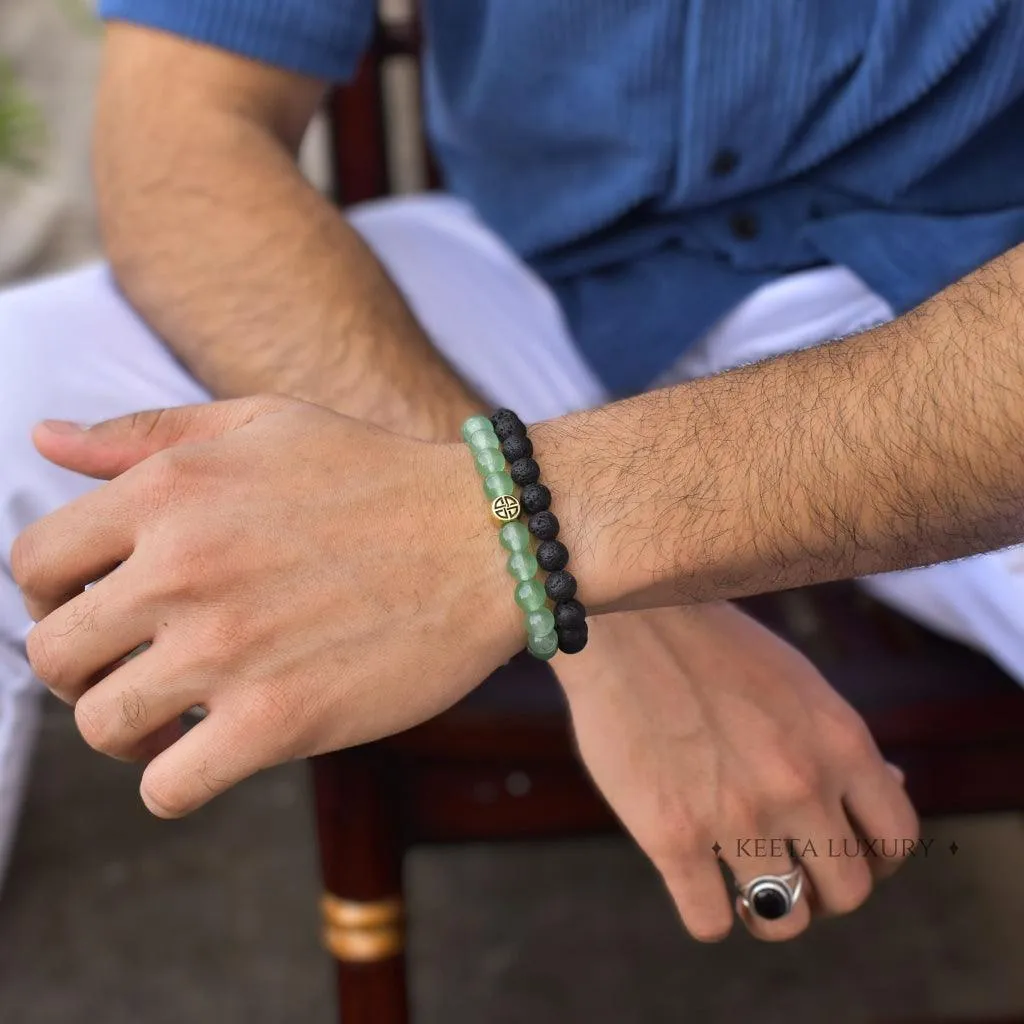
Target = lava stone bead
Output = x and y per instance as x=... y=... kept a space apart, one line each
x=535 y=498
x=524 y=471
x=572 y=641
x=516 y=447
x=569 y=614
x=767 y=903
x=552 y=555
x=544 y=526
x=506 y=423
x=560 y=586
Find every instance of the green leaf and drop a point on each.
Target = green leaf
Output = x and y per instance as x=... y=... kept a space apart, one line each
x=80 y=14
x=21 y=128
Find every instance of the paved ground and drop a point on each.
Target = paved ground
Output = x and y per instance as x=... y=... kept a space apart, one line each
x=111 y=916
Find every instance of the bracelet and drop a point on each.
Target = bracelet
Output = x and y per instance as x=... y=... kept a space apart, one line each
x=552 y=555
x=492 y=441
x=541 y=637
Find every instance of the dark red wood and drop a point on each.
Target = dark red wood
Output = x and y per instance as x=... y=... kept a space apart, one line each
x=354 y=799
x=458 y=801
x=398 y=39
x=358 y=140
x=373 y=993
x=361 y=853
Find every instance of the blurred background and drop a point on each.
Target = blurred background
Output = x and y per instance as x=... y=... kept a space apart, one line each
x=109 y=915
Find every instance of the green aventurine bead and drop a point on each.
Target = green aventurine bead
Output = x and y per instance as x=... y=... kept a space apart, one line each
x=540 y=622
x=543 y=647
x=473 y=424
x=483 y=439
x=521 y=566
x=488 y=461
x=497 y=484
x=530 y=595
x=514 y=537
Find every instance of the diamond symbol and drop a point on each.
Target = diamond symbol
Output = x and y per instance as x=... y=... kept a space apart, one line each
x=953 y=848
x=717 y=848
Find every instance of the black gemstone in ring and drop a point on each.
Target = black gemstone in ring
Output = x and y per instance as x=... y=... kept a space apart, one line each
x=770 y=903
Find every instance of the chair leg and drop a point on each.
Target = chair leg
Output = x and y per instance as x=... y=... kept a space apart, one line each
x=361 y=854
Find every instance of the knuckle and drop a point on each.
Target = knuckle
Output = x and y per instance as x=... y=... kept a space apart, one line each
x=853 y=893
x=739 y=811
x=180 y=561
x=163 y=425
x=789 y=782
x=161 y=477
x=848 y=737
x=680 y=843
x=273 y=714
x=26 y=560
x=95 y=727
x=226 y=630
x=166 y=799
x=44 y=657
x=711 y=930
x=268 y=402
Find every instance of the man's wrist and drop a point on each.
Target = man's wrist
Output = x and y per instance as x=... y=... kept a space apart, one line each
x=583 y=498
x=472 y=535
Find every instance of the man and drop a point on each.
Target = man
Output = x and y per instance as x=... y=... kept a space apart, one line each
x=613 y=232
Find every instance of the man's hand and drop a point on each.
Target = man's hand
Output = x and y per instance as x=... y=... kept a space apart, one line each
x=701 y=728
x=312 y=581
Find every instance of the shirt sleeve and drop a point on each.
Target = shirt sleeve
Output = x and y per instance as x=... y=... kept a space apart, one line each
x=320 y=38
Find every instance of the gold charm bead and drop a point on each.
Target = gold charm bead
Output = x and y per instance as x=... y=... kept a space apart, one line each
x=505 y=508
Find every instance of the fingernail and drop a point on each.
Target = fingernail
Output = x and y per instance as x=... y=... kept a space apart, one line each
x=64 y=427
x=897 y=771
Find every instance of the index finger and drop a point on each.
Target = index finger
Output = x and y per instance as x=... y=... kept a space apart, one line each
x=57 y=556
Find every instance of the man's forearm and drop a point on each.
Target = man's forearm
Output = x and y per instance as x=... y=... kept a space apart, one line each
x=899 y=447
x=255 y=281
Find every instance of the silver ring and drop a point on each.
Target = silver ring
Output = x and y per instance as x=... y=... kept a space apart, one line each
x=772 y=896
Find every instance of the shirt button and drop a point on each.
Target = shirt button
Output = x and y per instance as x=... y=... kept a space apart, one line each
x=744 y=225
x=724 y=163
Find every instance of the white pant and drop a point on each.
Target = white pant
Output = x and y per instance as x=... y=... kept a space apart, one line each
x=71 y=348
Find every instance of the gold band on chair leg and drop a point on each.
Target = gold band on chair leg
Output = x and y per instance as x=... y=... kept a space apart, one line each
x=363 y=932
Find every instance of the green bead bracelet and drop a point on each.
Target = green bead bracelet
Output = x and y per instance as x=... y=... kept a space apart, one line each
x=538 y=619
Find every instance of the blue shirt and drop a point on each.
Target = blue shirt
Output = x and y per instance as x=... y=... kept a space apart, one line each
x=657 y=161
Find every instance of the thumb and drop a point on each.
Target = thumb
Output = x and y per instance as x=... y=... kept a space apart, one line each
x=109 y=448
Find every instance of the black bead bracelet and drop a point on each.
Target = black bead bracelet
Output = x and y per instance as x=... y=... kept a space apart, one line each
x=552 y=555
